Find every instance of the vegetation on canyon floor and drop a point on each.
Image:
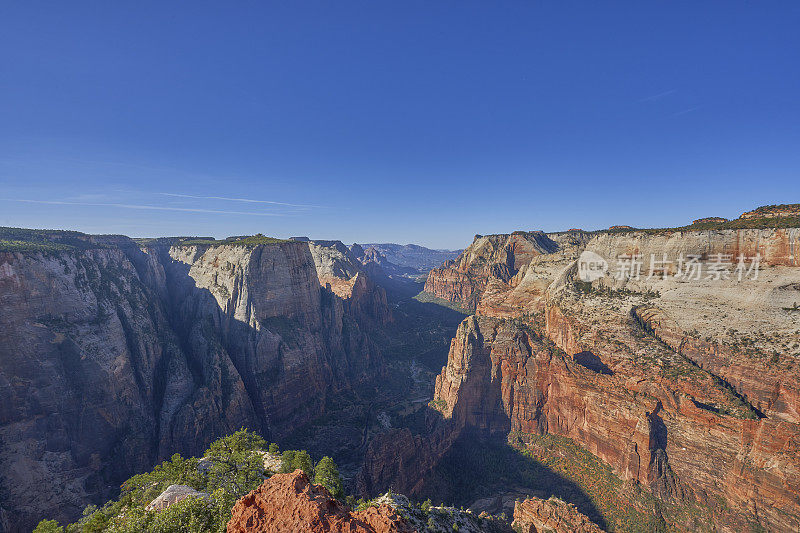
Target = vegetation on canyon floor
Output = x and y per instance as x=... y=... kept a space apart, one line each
x=426 y=297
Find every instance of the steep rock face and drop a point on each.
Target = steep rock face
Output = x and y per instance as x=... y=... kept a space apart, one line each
x=112 y=358
x=373 y=258
x=482 y=276
x=686 y=387
x=339 y=268
x=499 y=378
x=650 y=430
x=335 y=264
x=495 y=265
x=534 y=515
x=289 y=341
x=773 y=389
x=79 y=351
x=287 y=503
x=488 y=258
x=398 y=460
x=451 y=284
x=779 y=246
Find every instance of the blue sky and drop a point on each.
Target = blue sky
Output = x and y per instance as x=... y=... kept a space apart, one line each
x=409 y=121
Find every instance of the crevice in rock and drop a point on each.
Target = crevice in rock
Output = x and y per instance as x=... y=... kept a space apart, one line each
x=718 y=380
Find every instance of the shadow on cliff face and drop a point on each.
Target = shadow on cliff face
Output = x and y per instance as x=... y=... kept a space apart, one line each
x=414 y=347
x=289 y=343
x=489 y=473
x=331 y=404
x=660 y=476
x=265 y=351
x=592 y=362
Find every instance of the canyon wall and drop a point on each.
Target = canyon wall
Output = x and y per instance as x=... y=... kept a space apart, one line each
x=500 y=259
x=502 y=377
x=115 y=356
x=685 y=387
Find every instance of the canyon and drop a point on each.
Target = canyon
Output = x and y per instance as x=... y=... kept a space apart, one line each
x=660 y=394
x=686 y=388
x=116 y=354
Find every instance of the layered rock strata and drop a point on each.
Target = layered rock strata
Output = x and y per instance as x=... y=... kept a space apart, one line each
x=686 y=387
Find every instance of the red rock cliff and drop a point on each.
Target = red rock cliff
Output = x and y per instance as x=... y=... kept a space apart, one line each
x=491 y=257
x=501 y=377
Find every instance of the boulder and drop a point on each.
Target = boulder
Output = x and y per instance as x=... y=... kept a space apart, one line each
x=174 y=494
x=291 y=503
x=534 y=515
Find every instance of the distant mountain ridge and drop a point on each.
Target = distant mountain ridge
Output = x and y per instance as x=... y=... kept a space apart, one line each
x=413 y=255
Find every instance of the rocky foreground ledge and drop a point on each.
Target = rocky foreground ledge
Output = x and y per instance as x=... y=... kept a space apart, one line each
x=287 y=503
x=290 y=502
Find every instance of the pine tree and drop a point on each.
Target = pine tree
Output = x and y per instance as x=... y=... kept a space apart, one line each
x=327 y=475
x=287 y=461
x=303 y=461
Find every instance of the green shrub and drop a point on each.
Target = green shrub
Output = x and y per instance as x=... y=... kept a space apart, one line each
x=426 y=506
x=48 y=526
x=302 y=460
x=230 y=468
x=287 y=461
x=326 y=474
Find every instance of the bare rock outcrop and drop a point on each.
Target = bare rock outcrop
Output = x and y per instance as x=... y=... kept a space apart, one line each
x=495 y=265
x=172 y=495
x=535 y=515
x=779 y=246
x=647 y=427
x=289 y=503
x=489 y=258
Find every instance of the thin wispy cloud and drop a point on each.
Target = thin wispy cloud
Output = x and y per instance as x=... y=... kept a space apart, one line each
x=689 y=110
x=147 y=207
x=230 y=199
x=659 y=96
